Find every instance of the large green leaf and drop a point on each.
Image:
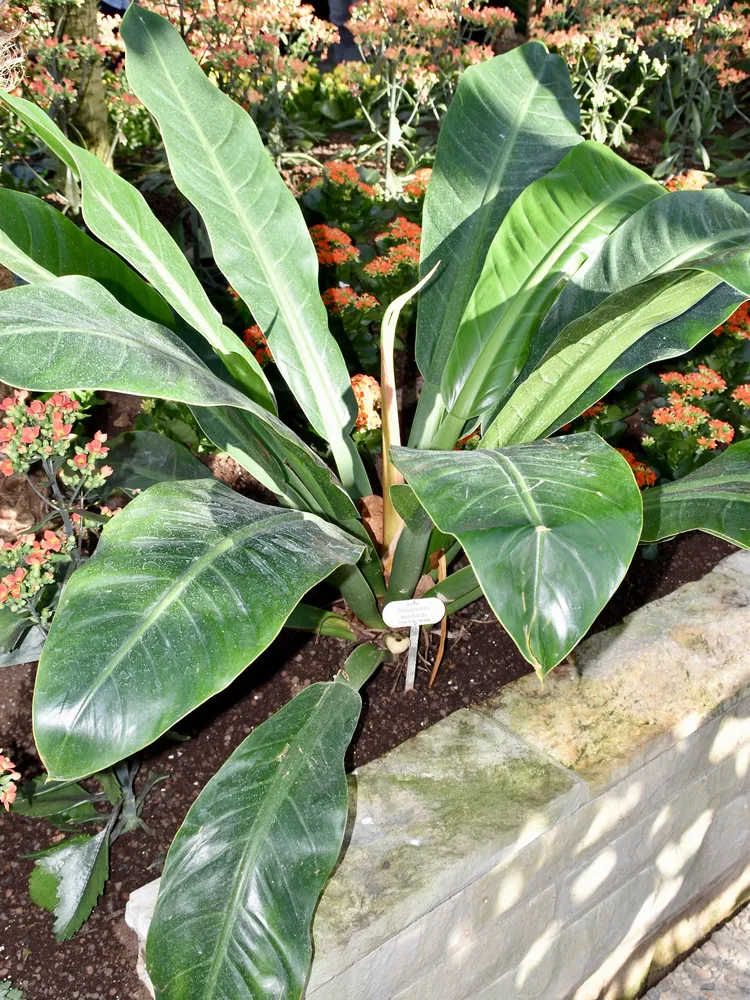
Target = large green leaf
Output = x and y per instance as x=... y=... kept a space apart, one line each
x=141 y=458
x=549 y=529
x=68 y=878
x=587 y=348
x=38 y=243
x=666 y=234
x=258 y=235
x=512 y=120
x=246 y=868
x=98 y=344
x=714 y=498
x=189 y=583
x=72 y=333
x=670 y=340
x=244 y=873
x=118 y=215
x=551 y=228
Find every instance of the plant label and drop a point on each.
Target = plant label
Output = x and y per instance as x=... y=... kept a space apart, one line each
x=422 y=611
x=412 y=614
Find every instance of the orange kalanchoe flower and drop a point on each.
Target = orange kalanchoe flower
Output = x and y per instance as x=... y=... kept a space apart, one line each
x=644 y=474
x=695 y=384
x=257 y=343
x=720 y=432
x=7 y=781
x=742 y=394
x=738 y=324
x=367 y=393
x=691 y=180
x=416 y=186
x=333 y=246
x=345 y=174
x=344 y=297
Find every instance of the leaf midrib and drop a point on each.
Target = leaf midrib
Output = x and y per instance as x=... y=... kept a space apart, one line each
x=298 y=330
x=481 y=366
x=173 y=592
x=280 y=790
x=491 y=191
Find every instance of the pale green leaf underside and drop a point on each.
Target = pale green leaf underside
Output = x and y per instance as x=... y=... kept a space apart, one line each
x=80 y=867
x=258 y=235
x=587 y=348
x=119 y=216
x=549 y=529
x=674 y=231
x=714 y=498
x=245 y=871
x=189 y=583
x=551 y=228
x=38 y=243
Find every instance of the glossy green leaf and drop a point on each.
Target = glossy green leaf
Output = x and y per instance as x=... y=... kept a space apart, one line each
x=26 y=644
x=666 y=234
x=246 y=868
x=38 y=243
x=282 y=462
x=549 y=231
x=306 y=618
x=258 y=235
x=513 y=118
x=587 y=348
x=79 y=866
x=12 y=627
x=117 y=213
x=188 y=584
x=98 y=344
x=141 y=458
x=715 y=498
x=670 y=340
x=549 y=529
x=40 y=797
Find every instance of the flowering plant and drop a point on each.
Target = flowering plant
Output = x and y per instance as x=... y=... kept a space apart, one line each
x=8 y=777
x=610 y=68
x=416 y=50
x=509 y=347
x=685 y=66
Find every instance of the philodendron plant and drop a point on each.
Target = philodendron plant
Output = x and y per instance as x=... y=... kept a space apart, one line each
x=552 y=269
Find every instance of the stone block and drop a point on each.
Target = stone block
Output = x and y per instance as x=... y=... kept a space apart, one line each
x=555 y=841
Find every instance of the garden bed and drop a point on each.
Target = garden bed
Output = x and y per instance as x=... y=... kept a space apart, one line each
x=480 y=659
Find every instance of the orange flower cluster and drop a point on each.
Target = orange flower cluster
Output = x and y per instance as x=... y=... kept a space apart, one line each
x=83 y=464
x=686 y=417
x=8 y=777
x=695 y=384
x=35 y=430
x=416 y=185
x=345 y=176
x=367 y=393
x=30 y=561
x=402 y=240
x=254 y=339
x=333 y=246
x=690 y=180
x=337 y=300
x=594 y=411
x=742 y=394
x=644 y=474
x=738 y=324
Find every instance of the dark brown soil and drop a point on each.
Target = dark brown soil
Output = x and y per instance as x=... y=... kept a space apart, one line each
x=99 y=962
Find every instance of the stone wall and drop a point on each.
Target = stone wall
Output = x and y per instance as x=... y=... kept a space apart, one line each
x=561 y=841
